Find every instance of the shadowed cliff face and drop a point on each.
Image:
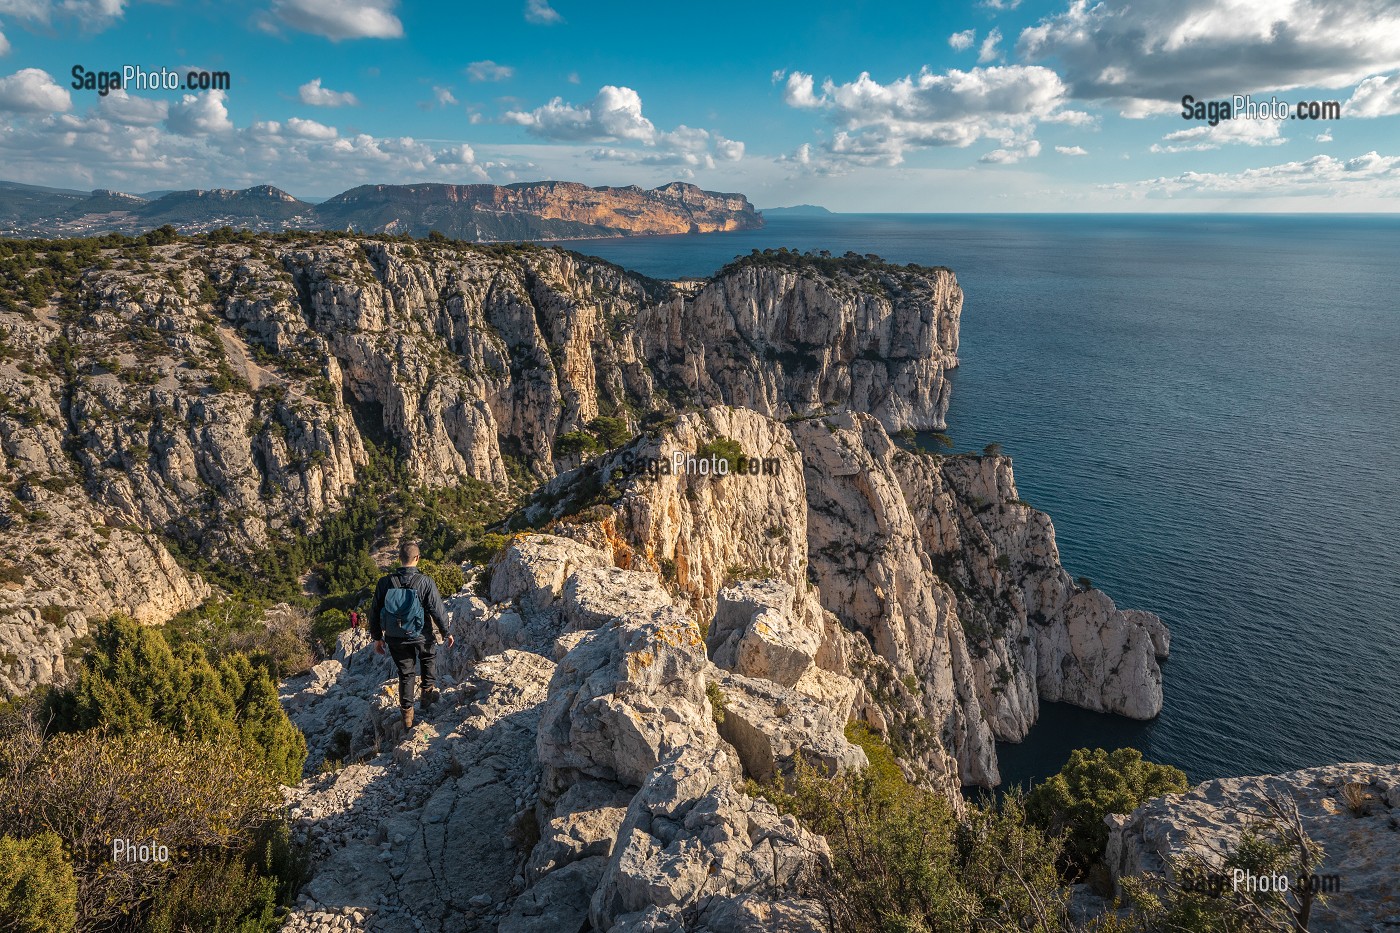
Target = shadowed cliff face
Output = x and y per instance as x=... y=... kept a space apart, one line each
x=222 y=393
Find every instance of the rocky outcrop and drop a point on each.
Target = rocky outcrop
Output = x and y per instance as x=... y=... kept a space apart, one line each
x=924 y=578
x=206 y=398
x=596 y=791
x=777 y=336
x=1351 y=811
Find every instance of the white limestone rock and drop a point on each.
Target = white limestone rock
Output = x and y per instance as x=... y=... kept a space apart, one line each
x=761 y=629
x=1362 y=846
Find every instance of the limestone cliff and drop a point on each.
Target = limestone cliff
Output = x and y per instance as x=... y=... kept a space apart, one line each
x=535 y=210
x=923 y=577
x=220 y=392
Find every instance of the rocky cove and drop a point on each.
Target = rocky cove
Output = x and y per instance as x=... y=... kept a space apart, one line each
x=207 y=398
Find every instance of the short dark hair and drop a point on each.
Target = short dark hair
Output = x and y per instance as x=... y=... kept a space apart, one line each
x=408 y=552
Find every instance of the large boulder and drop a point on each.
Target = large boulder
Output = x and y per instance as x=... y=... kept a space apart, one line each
x=761 y=629
x=771 y=726
x=687 y=834
x=594 y=596
x=532 y=570
x=1350 y=810
x=627 y=697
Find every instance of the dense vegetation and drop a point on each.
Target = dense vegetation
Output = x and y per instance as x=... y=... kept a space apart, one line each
x=904 y=861
x=157 y=747
x=1091 y=785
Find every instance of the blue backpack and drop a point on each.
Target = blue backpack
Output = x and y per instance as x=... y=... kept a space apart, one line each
x=402 y=614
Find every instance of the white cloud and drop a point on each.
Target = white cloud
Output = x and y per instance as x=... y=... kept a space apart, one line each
x=443 y=96
x=878 y=122
x=1001 y=4
x=1369 y=175
x=314 y=95
x=200 y=114
x=730 y=150
x=798 y=91
x=488 y=70
x=90 y=15
x=1377 y=96
x=987 y=51
x=574 y=78
x=961 y=41
x=1323 y=137
x=341 y=19
x=1030 y=150
x=4 y=45
x=1226 y=132
x=614 y=113
x=1071 y=150
x=33 y=90
x=539 y=11
x=309 y=129
x=301 y=156
x=1162 y=49
x=461 y=154
x=120 y=107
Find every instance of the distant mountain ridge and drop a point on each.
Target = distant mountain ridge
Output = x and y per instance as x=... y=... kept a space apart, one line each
x=523 y=211
x=798 y=210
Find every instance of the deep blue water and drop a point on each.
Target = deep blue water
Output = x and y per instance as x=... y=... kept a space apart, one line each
x=1209 y=408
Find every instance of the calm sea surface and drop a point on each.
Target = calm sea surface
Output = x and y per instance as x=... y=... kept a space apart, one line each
x=1209 y=408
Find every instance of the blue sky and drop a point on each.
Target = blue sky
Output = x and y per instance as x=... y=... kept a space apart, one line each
x=992 y=106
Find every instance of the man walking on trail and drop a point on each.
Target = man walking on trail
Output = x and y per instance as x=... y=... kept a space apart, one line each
x=404 y=601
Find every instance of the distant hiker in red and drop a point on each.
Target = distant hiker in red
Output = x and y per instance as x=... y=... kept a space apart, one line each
x=401 y=601
x=354 y=619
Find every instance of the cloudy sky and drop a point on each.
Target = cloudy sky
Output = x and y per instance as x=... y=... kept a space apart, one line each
x=1002 y=105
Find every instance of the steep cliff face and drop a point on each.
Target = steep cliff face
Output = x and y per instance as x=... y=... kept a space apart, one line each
x=925 y=579
x=222 y=394
x=535 y=210
x=783 y=338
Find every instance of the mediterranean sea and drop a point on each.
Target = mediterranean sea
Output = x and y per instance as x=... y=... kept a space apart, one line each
x=1208 y=406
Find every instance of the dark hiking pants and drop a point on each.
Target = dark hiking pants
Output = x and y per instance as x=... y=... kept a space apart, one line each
x=409 y=655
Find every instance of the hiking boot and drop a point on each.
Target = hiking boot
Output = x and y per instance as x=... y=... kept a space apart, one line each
x=430 y=696
x=408 y=719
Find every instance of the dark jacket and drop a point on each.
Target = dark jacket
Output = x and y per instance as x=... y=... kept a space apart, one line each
x=434 y=611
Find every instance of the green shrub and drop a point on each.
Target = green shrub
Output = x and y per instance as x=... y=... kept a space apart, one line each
x=487 y=548
x=902 y=859
x=133 y=681
x=721 y=448
x=355 y=573
x=576 y=443
x=328 y=626
x=448 y=577
x=37 y=891
x=1091 y=785
x=718 y=701
x=195 y=798
x=612 y=432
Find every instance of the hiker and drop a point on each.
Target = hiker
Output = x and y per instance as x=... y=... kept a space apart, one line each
x=401 y=601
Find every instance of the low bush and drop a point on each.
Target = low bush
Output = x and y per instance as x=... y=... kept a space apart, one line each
x=448 y=577
x=903 y=860
x=1091 y=785
x=37 y=891
x=201 y=801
